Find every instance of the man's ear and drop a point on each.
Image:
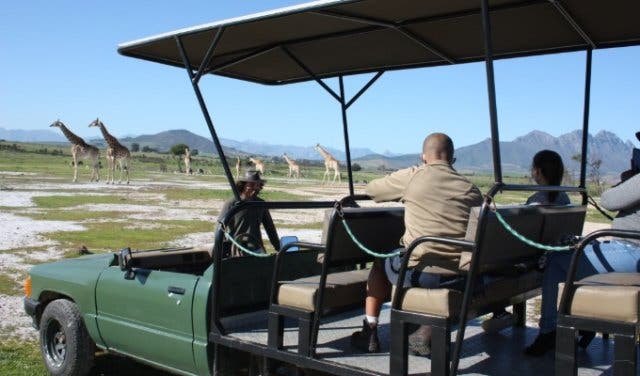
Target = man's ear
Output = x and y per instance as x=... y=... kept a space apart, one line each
x=423 y=156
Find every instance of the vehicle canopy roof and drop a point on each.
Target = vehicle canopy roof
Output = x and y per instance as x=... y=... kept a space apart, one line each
x=332 y=38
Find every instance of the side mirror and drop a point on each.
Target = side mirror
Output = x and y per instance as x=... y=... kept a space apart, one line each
x=124 y=260
x=289 y=239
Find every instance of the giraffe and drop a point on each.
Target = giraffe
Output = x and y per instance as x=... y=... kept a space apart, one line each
x=187 y=161
x=237 y=167
x=80 y=150
x=294 y=168
x=330 y=163
x=116 y=153
x=259 y=164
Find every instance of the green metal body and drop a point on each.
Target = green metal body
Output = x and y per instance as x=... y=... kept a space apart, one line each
x=138 y=317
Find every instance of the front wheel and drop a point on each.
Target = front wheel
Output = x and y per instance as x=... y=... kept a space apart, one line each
x=67 y=348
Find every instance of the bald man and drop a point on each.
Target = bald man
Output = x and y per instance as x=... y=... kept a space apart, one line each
x=437 y=200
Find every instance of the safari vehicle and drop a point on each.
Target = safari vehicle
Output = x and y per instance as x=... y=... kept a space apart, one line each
x=181 y=309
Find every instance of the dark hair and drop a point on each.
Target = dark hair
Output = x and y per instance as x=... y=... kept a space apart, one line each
x=551 y=167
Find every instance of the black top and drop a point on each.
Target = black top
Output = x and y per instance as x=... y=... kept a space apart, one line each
x=342 y=37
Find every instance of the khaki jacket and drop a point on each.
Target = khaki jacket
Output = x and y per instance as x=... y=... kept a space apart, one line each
x=437 y=200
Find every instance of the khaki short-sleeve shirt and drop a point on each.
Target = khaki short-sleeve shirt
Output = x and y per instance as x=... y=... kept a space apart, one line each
x=437 y=201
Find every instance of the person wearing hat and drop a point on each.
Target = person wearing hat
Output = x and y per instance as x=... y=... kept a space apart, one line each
x=245 y=224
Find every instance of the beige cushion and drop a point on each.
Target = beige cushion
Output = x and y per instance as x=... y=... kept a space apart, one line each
x=446 y=302
x=607 y=296
x=342 y=289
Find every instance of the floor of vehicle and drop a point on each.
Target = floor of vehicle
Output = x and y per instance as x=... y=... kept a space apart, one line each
x=483 y=354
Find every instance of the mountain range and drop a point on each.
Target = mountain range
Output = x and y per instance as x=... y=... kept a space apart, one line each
x=516 y=155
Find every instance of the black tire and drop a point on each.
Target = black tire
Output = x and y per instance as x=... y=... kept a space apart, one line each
x=66 y=347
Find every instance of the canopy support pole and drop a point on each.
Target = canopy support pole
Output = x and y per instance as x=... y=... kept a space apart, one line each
x=344 y=106
x=497 y=170
x=585 y=124
x=205 y=111
x=491 y=90
x=345 y=130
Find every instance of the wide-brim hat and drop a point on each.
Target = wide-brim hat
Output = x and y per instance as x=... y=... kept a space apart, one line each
x=252 y=176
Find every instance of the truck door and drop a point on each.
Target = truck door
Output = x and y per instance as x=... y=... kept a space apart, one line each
x=148 y=316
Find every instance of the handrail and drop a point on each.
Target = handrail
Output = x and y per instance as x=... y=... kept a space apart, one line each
x=573 y=266
x=395 y=302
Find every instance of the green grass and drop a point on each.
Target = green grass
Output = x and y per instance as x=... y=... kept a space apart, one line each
x=115 y=235
x=68 y=201
x=74 y=215
x=223 y=194
x=9 y=286
x=20 y=359
x=304 y=226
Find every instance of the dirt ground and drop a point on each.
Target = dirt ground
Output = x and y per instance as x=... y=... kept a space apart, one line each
x=24 y=241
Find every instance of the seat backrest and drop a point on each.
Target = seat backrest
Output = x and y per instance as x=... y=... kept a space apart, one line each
x=501 y=250
x=562 y=222
x=246 y=281
x=498 y=248
x=378 y=229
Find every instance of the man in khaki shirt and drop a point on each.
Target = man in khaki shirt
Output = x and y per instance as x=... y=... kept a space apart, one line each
x=437 y=201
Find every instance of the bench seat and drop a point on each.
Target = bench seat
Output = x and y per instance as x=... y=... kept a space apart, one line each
x=608 y=296
x=445 y=302
x=343 y=289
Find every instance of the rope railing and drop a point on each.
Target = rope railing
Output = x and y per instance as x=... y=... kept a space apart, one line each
x=243 y=248
x=363 y=247
x=527 y=241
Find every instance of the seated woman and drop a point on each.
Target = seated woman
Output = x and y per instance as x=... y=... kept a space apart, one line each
x=546 y=169
x=618 y=255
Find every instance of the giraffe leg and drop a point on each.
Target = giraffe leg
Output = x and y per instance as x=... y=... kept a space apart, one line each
x=112 y=168
x=96 y=168
x=75 y=166
x=128 y=164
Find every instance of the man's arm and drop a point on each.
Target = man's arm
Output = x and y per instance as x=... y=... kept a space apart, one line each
x=622 y=196
x=391 y=187
x=270 y=228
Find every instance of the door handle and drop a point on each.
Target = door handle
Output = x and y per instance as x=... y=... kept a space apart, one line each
x=176 y=290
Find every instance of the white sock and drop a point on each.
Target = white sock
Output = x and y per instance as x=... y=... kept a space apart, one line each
x=372 y=320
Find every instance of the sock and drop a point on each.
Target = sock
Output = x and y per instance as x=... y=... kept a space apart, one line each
x=371 y=320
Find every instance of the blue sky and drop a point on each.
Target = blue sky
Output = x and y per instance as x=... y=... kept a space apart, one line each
x=59 y=60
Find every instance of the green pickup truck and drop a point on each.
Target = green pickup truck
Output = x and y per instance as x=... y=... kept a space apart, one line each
x=152 y=306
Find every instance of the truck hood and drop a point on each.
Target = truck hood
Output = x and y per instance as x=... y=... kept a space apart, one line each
x=74 y=278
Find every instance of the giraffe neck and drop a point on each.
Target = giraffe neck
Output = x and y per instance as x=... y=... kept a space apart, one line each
x=109 y=138
x=72 y=136
x=325 y=154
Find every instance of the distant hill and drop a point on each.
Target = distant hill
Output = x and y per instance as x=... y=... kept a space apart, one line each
x=517 y=154
x=31 y=135
x=164 y=140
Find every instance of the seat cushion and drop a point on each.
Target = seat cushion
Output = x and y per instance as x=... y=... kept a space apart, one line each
x=446 y=302
x=343 y=289
x=607 y=296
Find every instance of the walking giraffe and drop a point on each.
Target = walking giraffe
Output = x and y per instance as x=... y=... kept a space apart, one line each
x=294 y=168
x=237 y=167
x=116 y=153
x=259 y=165
x=80 y=150
x=330 y=163
x=187 y=161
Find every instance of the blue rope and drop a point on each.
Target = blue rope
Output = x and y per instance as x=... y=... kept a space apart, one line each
x=243 y=248
x=365 y=249
x=528 y=241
